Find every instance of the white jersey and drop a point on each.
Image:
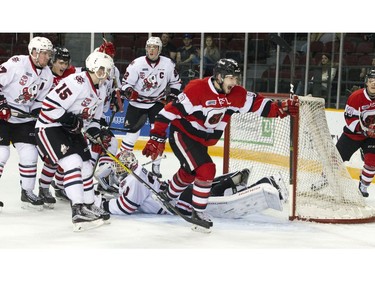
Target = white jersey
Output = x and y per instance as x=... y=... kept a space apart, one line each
x=24 y=85
x=112 y=83
x=134 y=196
x=77 y=94
x=150 y=80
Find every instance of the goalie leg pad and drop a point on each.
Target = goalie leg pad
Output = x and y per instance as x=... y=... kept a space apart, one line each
x=230 y=180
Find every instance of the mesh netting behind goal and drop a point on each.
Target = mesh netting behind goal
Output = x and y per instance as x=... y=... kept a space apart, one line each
x=321 y=188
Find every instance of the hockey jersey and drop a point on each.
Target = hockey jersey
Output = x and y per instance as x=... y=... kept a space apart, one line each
x=77 y=94
x=202 y=113
x=150 y=80
x=24 y=85
x=359 y=105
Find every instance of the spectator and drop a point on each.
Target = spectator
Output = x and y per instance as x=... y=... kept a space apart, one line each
x=168 y=50
x=321 y=81
x=187 y=56
x=211 y=56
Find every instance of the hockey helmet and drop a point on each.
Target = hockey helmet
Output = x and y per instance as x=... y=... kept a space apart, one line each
x=40 y=44
x=370 y=74
x=127 y=158
x=154 y=41
x=227 y=67
x=108 y=48
x=97 y=60
x=61 y=53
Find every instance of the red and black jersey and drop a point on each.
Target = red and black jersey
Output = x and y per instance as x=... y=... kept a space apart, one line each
x=202 y=113
x=358 y=103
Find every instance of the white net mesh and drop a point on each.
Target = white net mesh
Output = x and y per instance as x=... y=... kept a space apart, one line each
x=324 y=189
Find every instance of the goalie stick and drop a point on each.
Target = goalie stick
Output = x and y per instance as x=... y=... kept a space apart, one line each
x=167 y=204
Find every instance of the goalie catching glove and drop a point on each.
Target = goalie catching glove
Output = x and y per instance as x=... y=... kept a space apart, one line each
x=154 y=147
x=102 y=136
x=288 y=107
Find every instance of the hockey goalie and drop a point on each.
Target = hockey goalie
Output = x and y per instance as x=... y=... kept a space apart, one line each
x=230 y=196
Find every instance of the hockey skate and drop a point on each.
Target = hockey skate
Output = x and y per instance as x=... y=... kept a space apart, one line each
x=84 y=219
x=363 y=189
x=105 y=216
x=201 y=216
x=47 y=198
x=59 y=192
x=30 y=200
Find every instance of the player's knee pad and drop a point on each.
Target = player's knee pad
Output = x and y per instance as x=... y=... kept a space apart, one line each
x=184 y=177
x=71 y=161
x=206 y=171
x=4 y=153
x=28 y=153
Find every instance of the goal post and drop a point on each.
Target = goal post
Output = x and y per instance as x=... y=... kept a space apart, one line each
x=301 y=150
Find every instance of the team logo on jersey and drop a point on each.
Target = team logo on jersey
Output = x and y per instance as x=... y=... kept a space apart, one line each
x=64 y=149
x=23 y=80
x=3 y=69
x=79 y=79
x=150 y=83
x=28 y=94
x=86 y=102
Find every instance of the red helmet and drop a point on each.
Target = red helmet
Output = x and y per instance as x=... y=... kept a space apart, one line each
x=108 y=48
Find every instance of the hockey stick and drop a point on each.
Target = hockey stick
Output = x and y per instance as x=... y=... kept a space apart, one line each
x=141 y=121
x=167 y=204
x=152 y=161
x=23 y=115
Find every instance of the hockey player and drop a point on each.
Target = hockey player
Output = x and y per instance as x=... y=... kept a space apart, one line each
x=359 y=131
x=113 y=101
x=230 y=195
x=197 y=120
x=144 y=85
x=61 y=67
x=76 y=103
x=25 y=80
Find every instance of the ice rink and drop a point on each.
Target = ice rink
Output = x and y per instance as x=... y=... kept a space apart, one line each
x=30 y=237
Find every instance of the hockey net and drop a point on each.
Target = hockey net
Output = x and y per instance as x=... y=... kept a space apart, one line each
x=302 y=152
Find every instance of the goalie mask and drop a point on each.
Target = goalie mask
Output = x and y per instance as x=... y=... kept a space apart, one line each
x=128 y=159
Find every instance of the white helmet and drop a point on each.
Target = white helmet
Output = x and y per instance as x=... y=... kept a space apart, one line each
x=39 y=44
x=154 y=41
x=128 y=159
x=97 y=60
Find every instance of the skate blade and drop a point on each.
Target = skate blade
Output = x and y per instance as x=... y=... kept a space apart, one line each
x=49 y=206
x=29 y=206
x=82 y=226
x=201 y=229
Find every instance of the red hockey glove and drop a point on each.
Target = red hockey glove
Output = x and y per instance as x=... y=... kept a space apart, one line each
x=103 y=136
x=289 y=107
x=130 y=94
x=154 y=147
x=4 y=109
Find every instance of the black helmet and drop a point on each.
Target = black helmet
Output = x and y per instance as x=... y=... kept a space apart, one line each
x=61 y=54
x=227 y=67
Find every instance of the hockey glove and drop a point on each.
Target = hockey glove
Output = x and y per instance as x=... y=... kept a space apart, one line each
x=154 y=147
x=130 y=94
x=71 y=122
x=4 y=109
x=114 y=103
x=289 y=107
x=102 y=137
x=35 y=112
